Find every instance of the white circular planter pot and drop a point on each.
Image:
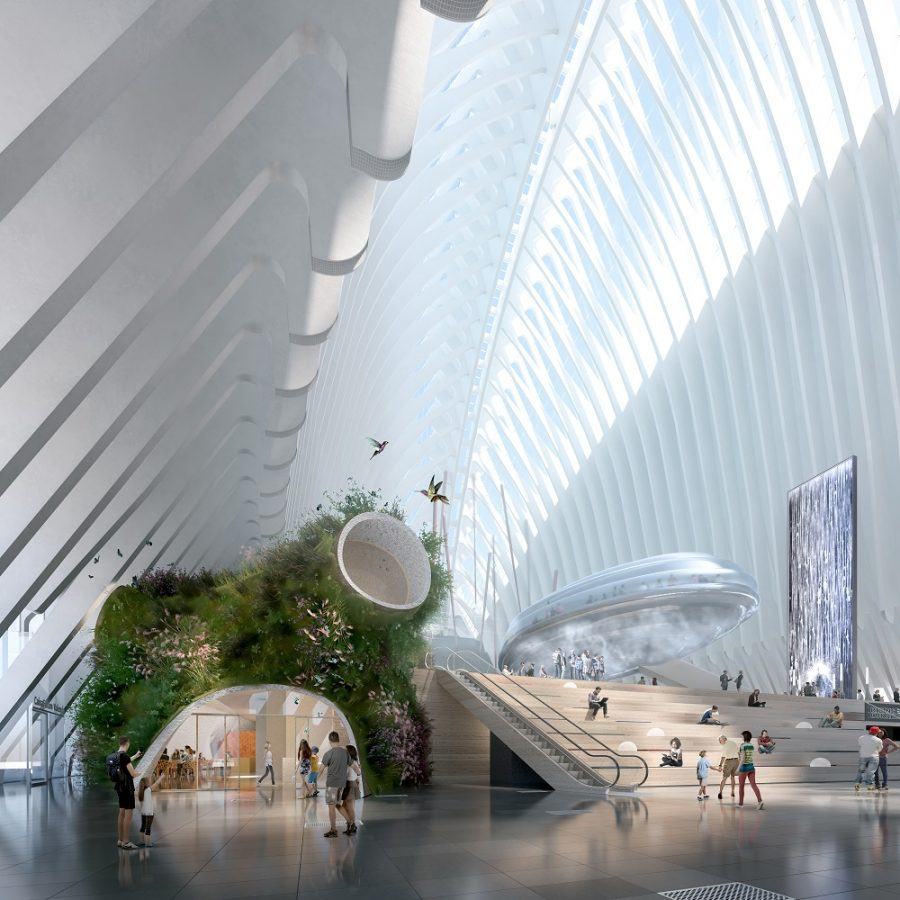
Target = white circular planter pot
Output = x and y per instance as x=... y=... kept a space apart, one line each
x=383 y=561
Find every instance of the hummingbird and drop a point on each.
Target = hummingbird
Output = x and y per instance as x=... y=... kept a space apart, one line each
x=433 y=493
x=379 y=447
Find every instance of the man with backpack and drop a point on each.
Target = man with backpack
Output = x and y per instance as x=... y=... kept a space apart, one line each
x=122 y=774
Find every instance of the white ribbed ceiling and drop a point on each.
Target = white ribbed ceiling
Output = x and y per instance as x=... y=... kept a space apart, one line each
x=183 y=186
x=642 y=275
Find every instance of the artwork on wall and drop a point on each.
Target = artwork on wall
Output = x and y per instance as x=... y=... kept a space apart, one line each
x=822 y=581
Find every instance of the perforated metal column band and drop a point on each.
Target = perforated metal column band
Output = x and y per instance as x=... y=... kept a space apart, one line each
x=377 y=166
x=732 y=890
x=338 y=266
x=457 y=10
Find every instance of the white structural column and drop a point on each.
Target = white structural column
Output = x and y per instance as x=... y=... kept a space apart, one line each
x=183 y=187
x=698 y=311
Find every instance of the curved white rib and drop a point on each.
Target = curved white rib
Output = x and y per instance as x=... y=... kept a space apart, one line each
x=694 y=316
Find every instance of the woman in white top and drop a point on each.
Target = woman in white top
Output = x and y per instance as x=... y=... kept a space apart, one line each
x=351 y=789
x=148 y=807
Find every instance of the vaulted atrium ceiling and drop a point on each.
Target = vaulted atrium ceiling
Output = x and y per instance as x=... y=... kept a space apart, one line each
x=183 y=186
x=642 y=277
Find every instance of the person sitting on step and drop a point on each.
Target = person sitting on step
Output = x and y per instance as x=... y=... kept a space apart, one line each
x=595 y=702
x=672 y=757
x=711 y=717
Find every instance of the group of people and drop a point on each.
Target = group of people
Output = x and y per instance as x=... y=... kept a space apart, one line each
x=584 y=666
x=725 y=679
x=120 y=768
x=874 y=747
x=736 y=761
x=342 y=780
x=342 y=784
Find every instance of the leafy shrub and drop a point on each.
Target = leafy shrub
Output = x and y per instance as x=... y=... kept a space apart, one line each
x=285 y=617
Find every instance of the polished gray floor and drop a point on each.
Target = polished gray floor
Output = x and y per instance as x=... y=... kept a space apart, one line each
x=452 y=842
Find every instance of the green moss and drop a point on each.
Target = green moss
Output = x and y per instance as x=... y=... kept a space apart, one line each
x=285 y=617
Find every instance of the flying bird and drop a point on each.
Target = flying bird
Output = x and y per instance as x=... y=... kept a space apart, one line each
x=119 y=552
x=96 y=560
x=379 y=447
x=90 y=576
x=319 y=508
x=433 y=493
x=149 y=543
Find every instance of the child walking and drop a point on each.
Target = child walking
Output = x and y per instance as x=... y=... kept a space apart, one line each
x=313 y=777
x=702 y=776
x=148 y=807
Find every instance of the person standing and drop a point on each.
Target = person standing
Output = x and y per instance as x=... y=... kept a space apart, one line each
x=336 y=761
x=897 y=695
x=558 y=662
x=125 y=775
x=728 y=762
x=351 y=790
x=602 y=670
x=585 y=665
x=304 y=766
x=887 y=746
x=702 y=776
x=747 y=770
x=572 y=664
x=579 y=668
x=724 y=679
x=148 y=807
x=269 y=761
x=739 y=679
x=869 y=753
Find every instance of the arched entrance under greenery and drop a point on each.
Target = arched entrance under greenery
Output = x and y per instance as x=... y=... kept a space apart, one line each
x=227 y=731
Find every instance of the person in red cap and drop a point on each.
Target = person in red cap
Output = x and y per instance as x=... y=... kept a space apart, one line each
x=869 y=749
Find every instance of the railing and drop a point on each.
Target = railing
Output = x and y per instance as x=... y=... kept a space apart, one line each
x=554 y=734
x=551 y=734
x=882 y=712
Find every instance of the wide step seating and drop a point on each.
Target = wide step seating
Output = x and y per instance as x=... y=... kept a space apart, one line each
x=648 y=717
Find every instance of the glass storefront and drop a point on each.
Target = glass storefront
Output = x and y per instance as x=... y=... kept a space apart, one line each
x=222 y=744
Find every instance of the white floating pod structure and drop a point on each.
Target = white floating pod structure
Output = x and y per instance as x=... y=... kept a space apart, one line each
x=383 y=561
x=638 y=614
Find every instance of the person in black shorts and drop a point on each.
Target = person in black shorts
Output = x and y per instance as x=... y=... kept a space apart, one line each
x=125 y=791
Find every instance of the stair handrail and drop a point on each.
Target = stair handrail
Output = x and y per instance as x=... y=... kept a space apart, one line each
x=552 y=735
x=590 y=770
x=615 y=754
x=606 y=751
